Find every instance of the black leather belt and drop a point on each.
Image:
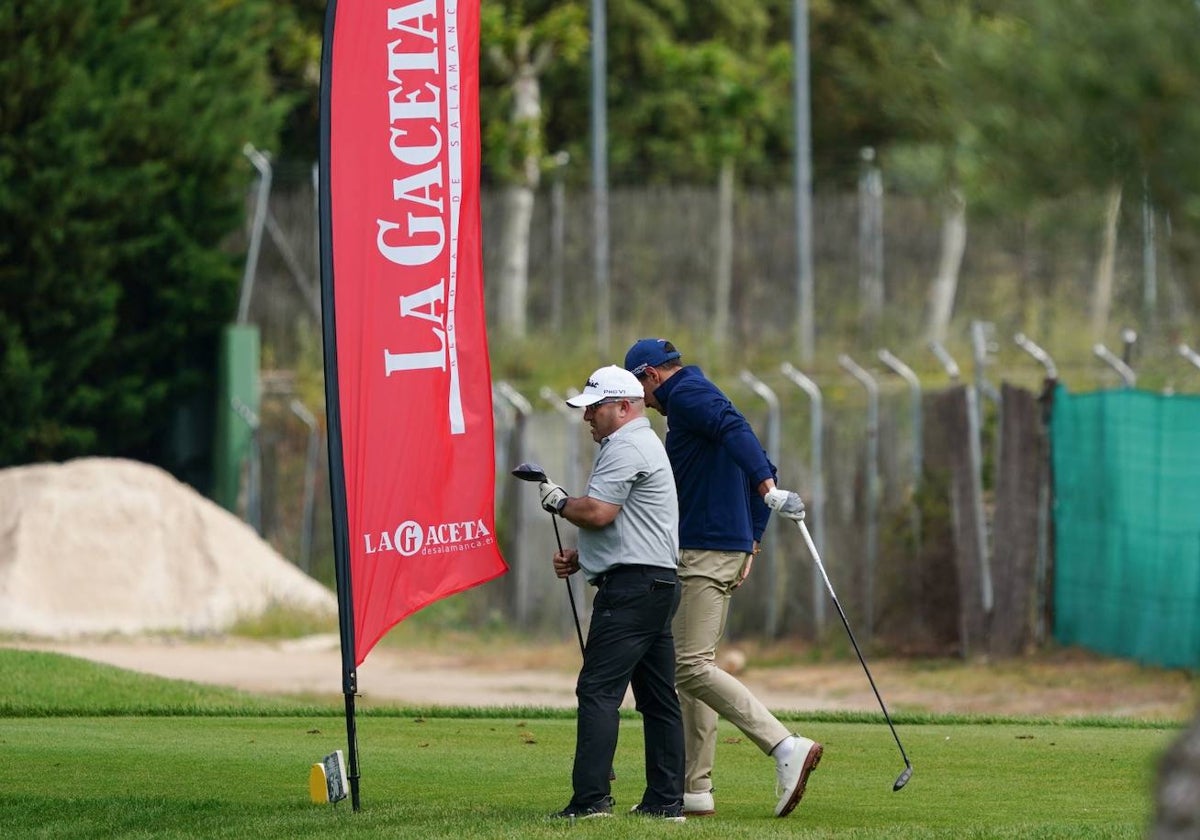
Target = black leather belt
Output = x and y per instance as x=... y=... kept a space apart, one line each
x=663 y=576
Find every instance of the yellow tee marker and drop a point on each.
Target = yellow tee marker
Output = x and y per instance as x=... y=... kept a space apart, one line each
x=327 y=779
x=318 y=786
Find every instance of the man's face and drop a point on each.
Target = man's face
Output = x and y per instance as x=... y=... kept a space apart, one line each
x=606 y=416
x=651 y=379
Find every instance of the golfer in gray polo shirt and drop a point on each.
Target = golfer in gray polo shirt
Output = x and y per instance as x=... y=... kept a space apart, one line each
x=628 y=548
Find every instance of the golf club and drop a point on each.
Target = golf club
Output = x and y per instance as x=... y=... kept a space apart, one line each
x=903 y=778
x=532 y=472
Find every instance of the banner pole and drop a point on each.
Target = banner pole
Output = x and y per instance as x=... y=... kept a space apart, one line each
x=337 y=469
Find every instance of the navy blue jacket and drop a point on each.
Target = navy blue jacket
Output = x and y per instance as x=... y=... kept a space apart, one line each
x=718 y=465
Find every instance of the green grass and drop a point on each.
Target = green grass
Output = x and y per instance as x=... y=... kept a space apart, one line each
x=216 y=763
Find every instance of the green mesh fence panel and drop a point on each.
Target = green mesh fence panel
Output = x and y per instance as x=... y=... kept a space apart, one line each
x=237 y=385
x=1127 y=524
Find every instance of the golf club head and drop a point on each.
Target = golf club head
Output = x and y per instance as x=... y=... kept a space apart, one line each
x=902 y=779
x=529 y=472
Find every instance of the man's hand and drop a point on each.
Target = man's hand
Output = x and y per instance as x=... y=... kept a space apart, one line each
x=786 y=503
x=745 y=570
x=566 y=563
x=553 y=496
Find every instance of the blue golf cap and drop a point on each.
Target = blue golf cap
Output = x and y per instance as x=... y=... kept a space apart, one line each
x=649 y=352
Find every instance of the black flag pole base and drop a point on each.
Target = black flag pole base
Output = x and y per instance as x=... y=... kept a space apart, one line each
x=352 y=743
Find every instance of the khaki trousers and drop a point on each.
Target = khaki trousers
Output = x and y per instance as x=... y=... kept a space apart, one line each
x=707 y=579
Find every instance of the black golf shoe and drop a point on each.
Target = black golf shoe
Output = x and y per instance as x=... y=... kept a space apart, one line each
x=601 y=808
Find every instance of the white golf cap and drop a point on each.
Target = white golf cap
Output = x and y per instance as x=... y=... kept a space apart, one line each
x=610 y=382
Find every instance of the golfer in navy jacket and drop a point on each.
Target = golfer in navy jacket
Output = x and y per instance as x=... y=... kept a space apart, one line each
x=726 y=488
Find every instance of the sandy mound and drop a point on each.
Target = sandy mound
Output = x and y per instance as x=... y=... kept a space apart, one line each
x=100 y=545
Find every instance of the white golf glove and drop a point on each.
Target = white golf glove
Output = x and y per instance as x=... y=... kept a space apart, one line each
x=786 y=503
x=553 y=496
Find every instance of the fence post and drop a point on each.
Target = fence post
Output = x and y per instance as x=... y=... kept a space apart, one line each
x=253 y=464
x=558 y=239
x=1039 y=354
x=1128 y=377
x=1042 y=564
x=818 y=492
x=773 y=557
x=571 y=480
x=1189 y=354
x=872 y=387
x=870 y=240
x=946 y=360
x=263 y=164
x=983 y=343
x=310 y=476
x=976 y=461
x=918 y=457
x=521 y=411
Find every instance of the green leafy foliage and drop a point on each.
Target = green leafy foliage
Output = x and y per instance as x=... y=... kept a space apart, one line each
x=122 y=124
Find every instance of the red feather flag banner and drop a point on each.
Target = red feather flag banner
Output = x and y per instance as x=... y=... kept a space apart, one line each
x=407 y=377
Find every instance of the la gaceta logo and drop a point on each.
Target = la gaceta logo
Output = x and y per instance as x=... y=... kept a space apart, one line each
x=411 y=537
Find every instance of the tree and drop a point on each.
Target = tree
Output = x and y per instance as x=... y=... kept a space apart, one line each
x=520 y=42
x=720 y=101
x=905 y=63
x=1020 y=101
x=121 y=131
x=1094 y=97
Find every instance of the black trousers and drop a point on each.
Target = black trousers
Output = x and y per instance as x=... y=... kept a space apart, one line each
x=630 y=642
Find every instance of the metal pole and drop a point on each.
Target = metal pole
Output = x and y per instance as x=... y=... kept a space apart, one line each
x=918 y=456
x=253 y=464
x=818 y=483
x=982 y=344
x=1129 y=339
x=1042 y=563
x=310 y=476
x=521 y=409
x=803 y=184
x=947 y=362
x=870 y=241
x=1189 y=354
x=1128 y=377
x=1043 y=358
x=773 y=557
x=558 y=236
x=1149 y=259
x=600 y=174
x=872 y=500
x=975 y=456
x=571 y=478
x=263 y=164
x=975 y=451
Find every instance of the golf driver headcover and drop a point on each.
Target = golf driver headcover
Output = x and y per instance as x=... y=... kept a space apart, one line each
x=786 y=503
x=553 y=496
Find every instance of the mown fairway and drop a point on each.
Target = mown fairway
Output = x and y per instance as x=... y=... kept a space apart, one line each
x=237 y=767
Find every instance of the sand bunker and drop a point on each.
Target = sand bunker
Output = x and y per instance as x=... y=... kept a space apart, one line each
x=103 y=545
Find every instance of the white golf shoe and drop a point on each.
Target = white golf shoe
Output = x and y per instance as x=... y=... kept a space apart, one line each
x=699 y=804
x=795 y=758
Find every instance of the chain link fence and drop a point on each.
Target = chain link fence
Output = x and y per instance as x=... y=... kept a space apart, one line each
x=933 y=548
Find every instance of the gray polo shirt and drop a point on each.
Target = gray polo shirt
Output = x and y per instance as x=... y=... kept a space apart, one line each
x=631 y=470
